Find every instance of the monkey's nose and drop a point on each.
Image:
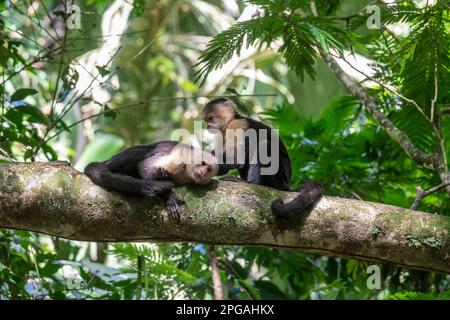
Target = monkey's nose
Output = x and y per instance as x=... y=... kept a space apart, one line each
x=199 y=173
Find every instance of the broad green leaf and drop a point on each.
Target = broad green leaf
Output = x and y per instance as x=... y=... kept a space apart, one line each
x=36 y=115
x=22 y=94
x=268 y=290
x=4 y=55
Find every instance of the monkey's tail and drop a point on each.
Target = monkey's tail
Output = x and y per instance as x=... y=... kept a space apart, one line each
x=307 y=196
x=99 y=173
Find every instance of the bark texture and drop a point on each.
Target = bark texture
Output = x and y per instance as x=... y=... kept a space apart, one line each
x=54 y=198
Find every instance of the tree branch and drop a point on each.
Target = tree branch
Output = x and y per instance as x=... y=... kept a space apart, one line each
x=432 y=161
x=428 y=160
x=424 y=193
x=215 y=271
x=55 y=199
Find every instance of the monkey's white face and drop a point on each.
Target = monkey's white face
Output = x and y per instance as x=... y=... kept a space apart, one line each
x=214 y=123
x=202 y=173
x=218 y=117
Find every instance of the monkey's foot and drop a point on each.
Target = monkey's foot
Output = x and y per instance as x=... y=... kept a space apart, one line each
x=232 y=179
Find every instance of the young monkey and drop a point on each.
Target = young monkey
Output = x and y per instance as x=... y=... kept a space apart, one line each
x=153 y=170
x=221 y=116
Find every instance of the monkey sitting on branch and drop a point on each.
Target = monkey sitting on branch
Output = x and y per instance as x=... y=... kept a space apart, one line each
x=153 y=170
x=244 y=142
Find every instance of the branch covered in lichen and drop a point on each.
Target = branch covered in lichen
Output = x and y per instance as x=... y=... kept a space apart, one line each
x=55 y=199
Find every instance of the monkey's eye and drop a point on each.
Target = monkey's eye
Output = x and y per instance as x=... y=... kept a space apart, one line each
x=209 y=169
x=210 y=118
x=203 y=163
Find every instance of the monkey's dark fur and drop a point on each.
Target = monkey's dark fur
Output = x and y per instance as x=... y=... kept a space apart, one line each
x=221 y=114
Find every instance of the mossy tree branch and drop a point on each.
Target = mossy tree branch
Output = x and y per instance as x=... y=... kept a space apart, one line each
x=54 y=198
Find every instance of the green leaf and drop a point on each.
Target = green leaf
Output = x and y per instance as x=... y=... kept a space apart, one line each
x=22 y=94
x=242 y=34
x=109 y=112
x=103 y=70
x=27 y=155
x=15 y=118
x=284 y=118
x=338 y=114
x=252 y=290
x=411 y=295
x=50 y=268
x=50 y=154
x=298 y=49
x=36 y=115
x=269 y=290
x=4 y=56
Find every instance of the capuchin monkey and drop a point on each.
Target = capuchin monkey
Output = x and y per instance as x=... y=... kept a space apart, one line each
x=221 y=116
x=153 y=170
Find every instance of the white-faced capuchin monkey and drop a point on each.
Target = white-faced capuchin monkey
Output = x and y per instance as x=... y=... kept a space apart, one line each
x=221 y=115
x=153 y=170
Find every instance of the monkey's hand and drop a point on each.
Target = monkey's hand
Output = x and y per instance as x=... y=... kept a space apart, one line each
x=162 y=173
x=172 y=202
x=151 y=188
x=232 y=179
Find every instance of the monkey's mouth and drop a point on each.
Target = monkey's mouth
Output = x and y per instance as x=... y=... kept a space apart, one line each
x=198 y=175
x=211 y=128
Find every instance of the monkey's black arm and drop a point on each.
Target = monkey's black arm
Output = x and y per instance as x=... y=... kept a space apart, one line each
x=100 y=174
x=226 y=166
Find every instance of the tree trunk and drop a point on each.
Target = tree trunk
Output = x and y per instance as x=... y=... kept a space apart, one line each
x=55 y=199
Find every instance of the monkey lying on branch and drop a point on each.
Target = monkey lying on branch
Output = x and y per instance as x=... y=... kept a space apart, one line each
x=153 y=170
